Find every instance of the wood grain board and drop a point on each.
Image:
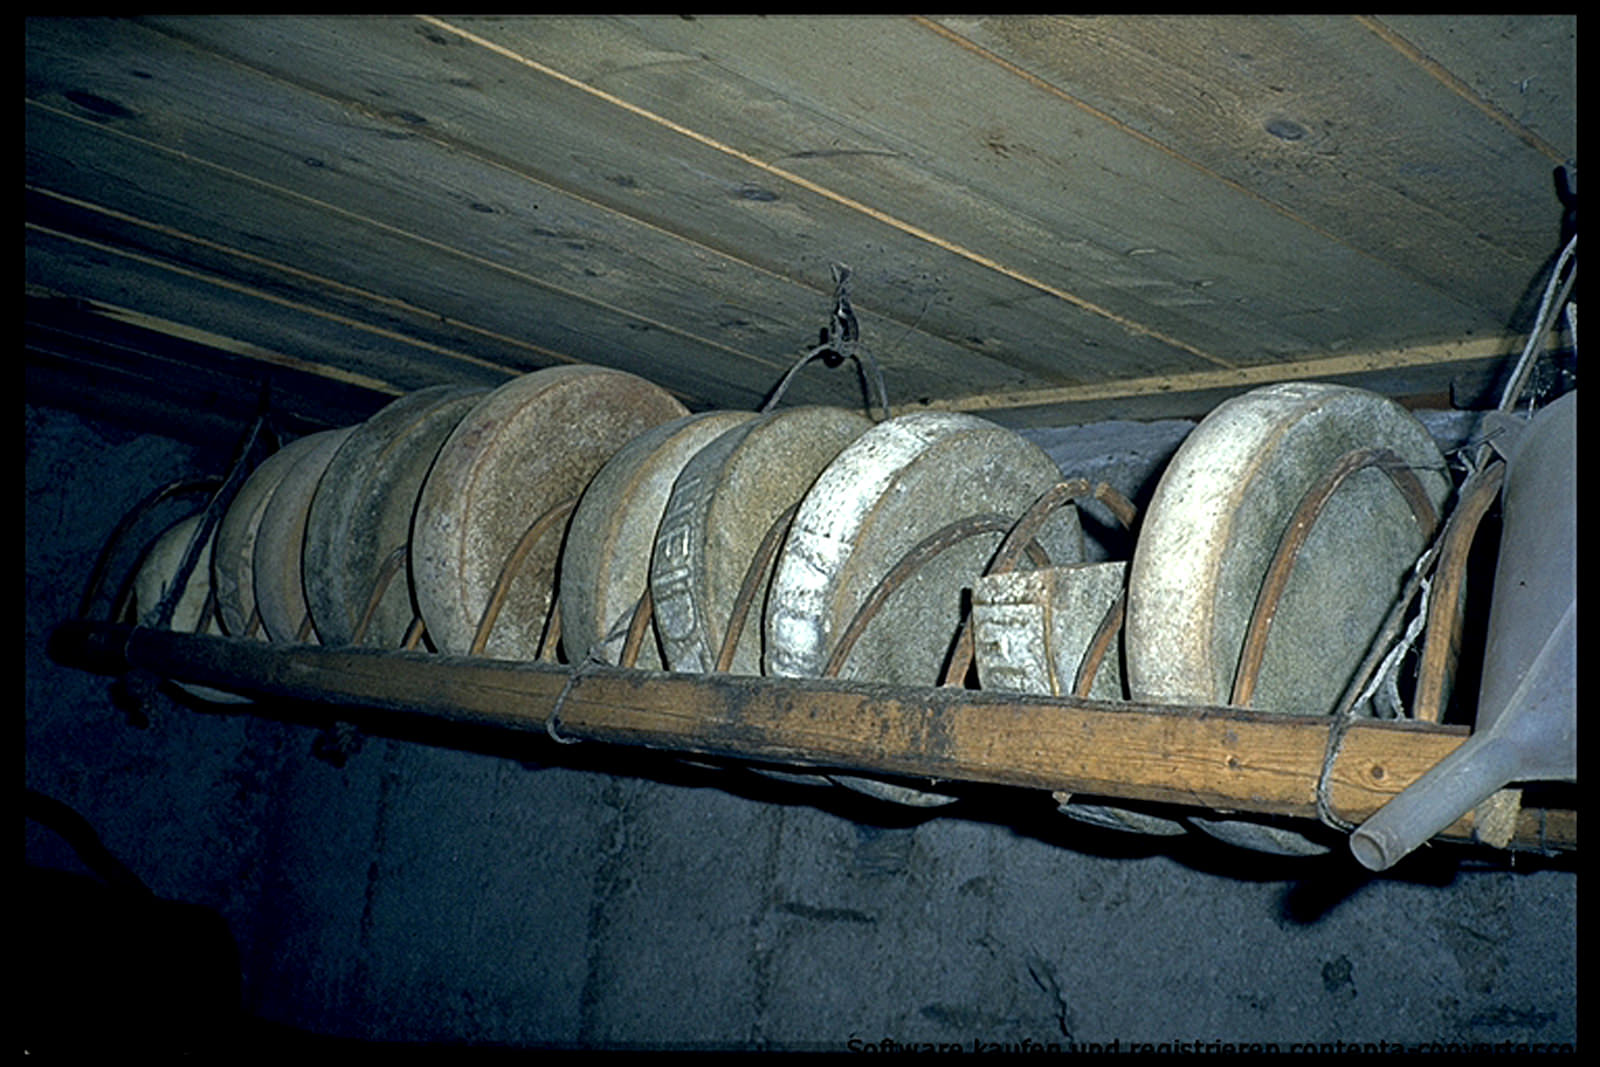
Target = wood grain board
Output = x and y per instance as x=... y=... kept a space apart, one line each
x=1051 y=192
x=1321 y=119
x=1031 y=205
x=1228 y=758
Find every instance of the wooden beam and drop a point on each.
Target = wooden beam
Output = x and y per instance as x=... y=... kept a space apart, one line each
x=1205 y=757
x=158 y=376
x=1359 y=365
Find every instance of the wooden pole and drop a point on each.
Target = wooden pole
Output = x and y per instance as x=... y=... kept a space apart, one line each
x=1205 y=757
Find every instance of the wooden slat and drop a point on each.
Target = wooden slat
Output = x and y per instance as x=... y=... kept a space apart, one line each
x=755 y=121
x=460 y=263
x=586 y=143
x=162 y=247
x=208 y=303
x=478 y=306
x=1028 y=203
x=1520 y=70
x=1326 y=119
x=426 y=347
x=1210 y=757
x=169 y=378
x=1021 y=170
x=1399 y=373
x=384 y=360
x=725 y=242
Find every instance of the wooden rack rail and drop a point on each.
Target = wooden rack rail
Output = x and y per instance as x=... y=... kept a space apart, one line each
x=1205 y=757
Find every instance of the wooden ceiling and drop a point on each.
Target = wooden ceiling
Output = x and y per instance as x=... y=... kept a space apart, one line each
x=1046 y=219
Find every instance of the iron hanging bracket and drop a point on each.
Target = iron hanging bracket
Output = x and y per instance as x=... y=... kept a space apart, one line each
x=836 y=342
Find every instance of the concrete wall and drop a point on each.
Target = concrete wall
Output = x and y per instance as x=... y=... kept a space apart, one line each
x=453 y=888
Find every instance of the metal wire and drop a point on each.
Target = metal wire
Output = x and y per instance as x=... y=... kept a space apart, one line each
x=216 y=507
x=91 y=591
x=1364 y=682
x=1542 y=322
x=760 y=566
x=841 y=340
x=1022 y=536
x=391 y=566
x=929 y=547
x=1443 y=627
x=550 y=519
x=1311 y=505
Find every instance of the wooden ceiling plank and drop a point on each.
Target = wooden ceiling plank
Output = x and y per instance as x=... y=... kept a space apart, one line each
x=1106 y=204
x=439 y=295
x=581 y=144
x=96 y=354
x=82 y=218
x=1320 y=116
x=246 y=121
x=229 y=282
x=167 y=378
x=742 y=93
x=231 y=345
x=108 y=275
x=218 y=304
x=178 y=192
x=583 y=328
x=1520 y=70
x=700 y=232
x=760 y=110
